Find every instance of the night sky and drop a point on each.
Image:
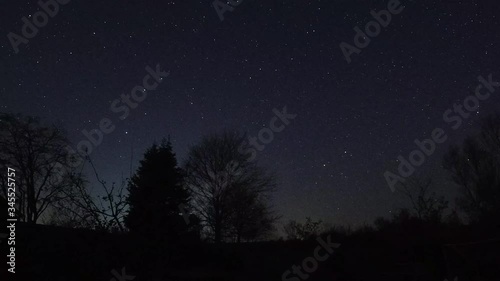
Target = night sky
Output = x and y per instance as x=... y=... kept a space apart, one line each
x=353 y=119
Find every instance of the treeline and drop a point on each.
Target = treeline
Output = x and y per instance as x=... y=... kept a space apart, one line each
x=216 y=195
x=159 y=219
x=473 y=168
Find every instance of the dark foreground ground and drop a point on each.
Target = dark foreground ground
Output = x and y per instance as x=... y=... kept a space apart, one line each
x=419 y=253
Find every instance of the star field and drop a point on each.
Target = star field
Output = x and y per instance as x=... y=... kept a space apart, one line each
x=353 y=119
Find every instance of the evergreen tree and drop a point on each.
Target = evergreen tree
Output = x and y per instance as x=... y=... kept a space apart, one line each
x=155 y=193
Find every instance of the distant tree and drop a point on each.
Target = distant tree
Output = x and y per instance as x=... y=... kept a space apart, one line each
x=339 y=231
x=44 y=167
x=364 y=229
x=155 y=193
x=402 y=216
x=230 y=193
x=305 y=231
x=381 y=223
x=453 y=219
x=292 y=229
x=399 y=219
x=426 y=205
x=475 y=168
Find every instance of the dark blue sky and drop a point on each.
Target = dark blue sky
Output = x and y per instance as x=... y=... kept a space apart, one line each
x=353 y=119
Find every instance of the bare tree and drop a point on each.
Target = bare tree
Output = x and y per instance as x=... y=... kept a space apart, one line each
x=102 y=209
x=292 y=230
x=426 y=204
x=307 y=230
x=251 y=217
x=475 y=168
x=43 y=165
x=229 y=193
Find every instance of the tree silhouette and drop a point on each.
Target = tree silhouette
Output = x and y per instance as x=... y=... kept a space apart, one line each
x=426 y=205
x=82 y=208
x=400 y=219
x=155 y=192
x=230 y=193
x=309 y=229
x=44 y=167
x=475 y=168
x=251 y=217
